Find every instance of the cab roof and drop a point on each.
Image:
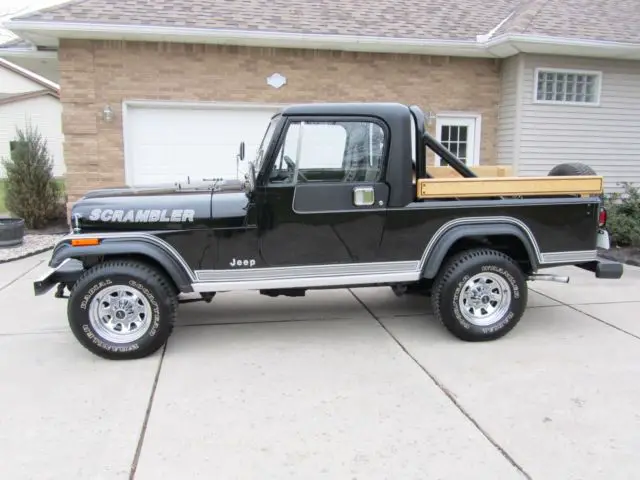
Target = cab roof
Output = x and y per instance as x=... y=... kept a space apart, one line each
x=347 y=108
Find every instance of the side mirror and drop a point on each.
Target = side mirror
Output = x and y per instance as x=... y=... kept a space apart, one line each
x=241 y=151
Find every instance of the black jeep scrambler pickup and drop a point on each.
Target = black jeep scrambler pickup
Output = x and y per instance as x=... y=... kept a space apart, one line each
x=338 y=195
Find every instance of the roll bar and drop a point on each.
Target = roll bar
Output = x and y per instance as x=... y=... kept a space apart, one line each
x=453 y=161
x=439 y=149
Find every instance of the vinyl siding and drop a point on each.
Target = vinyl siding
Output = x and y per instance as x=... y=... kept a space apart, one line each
x=11 y=82
x=45 y=114
x=507 y=112
x=606 y=137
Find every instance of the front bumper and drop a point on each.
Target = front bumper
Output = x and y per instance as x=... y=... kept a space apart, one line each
x=67 y=273
x=607 y=269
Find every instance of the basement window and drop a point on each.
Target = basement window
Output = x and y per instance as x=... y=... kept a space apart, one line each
x=568 y=87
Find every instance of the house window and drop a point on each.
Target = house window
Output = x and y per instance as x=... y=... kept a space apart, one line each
x=574 y=87
x=459 y=135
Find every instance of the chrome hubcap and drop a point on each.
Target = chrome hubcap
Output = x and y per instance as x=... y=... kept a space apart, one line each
x=120 y=314
x=484 y=299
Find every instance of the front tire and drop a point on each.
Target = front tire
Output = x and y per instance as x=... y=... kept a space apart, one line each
x=122 y=310
x=479 y=295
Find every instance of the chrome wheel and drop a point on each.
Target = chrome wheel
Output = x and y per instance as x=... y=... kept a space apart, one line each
x=484 y=299
x=120 y=314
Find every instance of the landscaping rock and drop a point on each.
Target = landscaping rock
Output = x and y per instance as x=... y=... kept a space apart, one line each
x=32 y=245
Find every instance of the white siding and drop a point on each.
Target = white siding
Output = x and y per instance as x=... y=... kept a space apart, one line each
x=507 y=123
x=11 y=82
x=606 y=137
x=43 y=112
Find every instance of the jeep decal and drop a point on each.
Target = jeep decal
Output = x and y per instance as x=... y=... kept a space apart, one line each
x=142 y=216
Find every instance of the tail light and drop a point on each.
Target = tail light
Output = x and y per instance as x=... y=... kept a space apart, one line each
x=602 y=217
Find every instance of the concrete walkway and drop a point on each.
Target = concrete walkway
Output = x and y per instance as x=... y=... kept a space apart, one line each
x=337 y=385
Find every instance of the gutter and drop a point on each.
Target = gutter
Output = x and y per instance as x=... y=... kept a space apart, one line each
x=34 y=77
x=28 y=95
x=482 y=46
x=55 y=30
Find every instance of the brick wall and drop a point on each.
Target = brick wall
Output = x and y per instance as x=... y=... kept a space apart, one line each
x=96 y=73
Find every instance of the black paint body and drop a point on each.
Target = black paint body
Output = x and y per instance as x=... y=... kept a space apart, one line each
x=318 y=224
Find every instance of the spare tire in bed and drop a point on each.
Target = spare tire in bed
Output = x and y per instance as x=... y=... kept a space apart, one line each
x=571 y=169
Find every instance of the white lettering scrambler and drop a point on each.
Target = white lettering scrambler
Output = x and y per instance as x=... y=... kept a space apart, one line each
x=142 y=216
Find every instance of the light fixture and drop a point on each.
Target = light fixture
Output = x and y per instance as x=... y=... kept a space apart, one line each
x=107 y=114
x=276 y=80
x=429 y=117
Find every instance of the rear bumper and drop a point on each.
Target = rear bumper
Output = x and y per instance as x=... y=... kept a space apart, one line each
x=607 y=269
x=67 y=272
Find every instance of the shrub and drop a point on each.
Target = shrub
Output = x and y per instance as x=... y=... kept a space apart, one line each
x=31 y=191
x=623 y=216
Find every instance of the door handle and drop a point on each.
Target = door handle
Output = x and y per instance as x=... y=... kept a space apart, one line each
x=363 y=196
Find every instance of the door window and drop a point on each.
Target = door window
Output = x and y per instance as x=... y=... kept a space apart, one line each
x=349 y=151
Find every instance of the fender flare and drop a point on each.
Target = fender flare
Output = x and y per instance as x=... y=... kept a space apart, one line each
x=154 y=249
x=442 y=245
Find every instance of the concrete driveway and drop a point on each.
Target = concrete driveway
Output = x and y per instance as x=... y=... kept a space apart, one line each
x=336 y=385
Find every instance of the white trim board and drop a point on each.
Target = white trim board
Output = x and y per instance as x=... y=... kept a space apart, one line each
x=48 y=34
x=474 y=118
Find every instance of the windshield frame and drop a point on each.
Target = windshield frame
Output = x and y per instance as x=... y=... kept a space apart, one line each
x=266 y=140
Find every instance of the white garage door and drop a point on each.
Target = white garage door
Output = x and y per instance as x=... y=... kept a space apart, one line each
x=177 y=143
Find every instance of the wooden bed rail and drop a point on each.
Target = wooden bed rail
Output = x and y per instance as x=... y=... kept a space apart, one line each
x=460 y=187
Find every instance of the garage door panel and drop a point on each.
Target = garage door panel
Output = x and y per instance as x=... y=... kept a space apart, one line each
x=172 y=144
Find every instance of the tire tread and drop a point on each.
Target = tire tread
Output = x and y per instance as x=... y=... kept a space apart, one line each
x=448 y=270
x=146 y=272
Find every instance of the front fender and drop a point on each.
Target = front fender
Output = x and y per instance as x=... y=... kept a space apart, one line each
x=451 y=236
x=146 y=246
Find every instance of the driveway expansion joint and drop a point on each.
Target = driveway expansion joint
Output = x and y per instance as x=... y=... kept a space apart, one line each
x=577 y=309
x=143 y=430
x=450 y=395
x=23 y=274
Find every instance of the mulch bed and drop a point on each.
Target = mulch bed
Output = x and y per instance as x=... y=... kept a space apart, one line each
x=627 y=255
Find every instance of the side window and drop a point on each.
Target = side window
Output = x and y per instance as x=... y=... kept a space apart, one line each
x=347 y=151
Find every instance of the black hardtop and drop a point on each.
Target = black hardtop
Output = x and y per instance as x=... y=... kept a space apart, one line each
x=378 y=109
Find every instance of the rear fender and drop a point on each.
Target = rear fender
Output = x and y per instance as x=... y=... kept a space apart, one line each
x=145 y=246
x=443 y=244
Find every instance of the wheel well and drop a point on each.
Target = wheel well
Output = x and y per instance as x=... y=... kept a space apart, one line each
x=510 y=245
x=92 y=260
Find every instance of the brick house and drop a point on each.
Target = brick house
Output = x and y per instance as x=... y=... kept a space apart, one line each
x=165 y=90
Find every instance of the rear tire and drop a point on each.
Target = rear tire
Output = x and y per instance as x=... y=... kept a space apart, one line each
x=479 y=295
x=122 y=310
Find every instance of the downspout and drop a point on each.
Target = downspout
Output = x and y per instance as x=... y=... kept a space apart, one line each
x=517 y=127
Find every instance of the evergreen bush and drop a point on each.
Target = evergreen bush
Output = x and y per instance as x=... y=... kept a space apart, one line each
x=31 y=191
x=623 y=216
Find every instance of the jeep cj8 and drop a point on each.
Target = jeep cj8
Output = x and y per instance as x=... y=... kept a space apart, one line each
x=337 y=196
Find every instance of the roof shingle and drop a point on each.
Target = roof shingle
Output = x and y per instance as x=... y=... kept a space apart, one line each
x=429 y=19
x=609 y=20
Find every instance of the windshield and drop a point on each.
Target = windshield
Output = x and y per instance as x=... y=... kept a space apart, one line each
x=265 y=142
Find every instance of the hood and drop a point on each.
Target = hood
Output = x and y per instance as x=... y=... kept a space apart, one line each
x=162 y=207
x=167 y=189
